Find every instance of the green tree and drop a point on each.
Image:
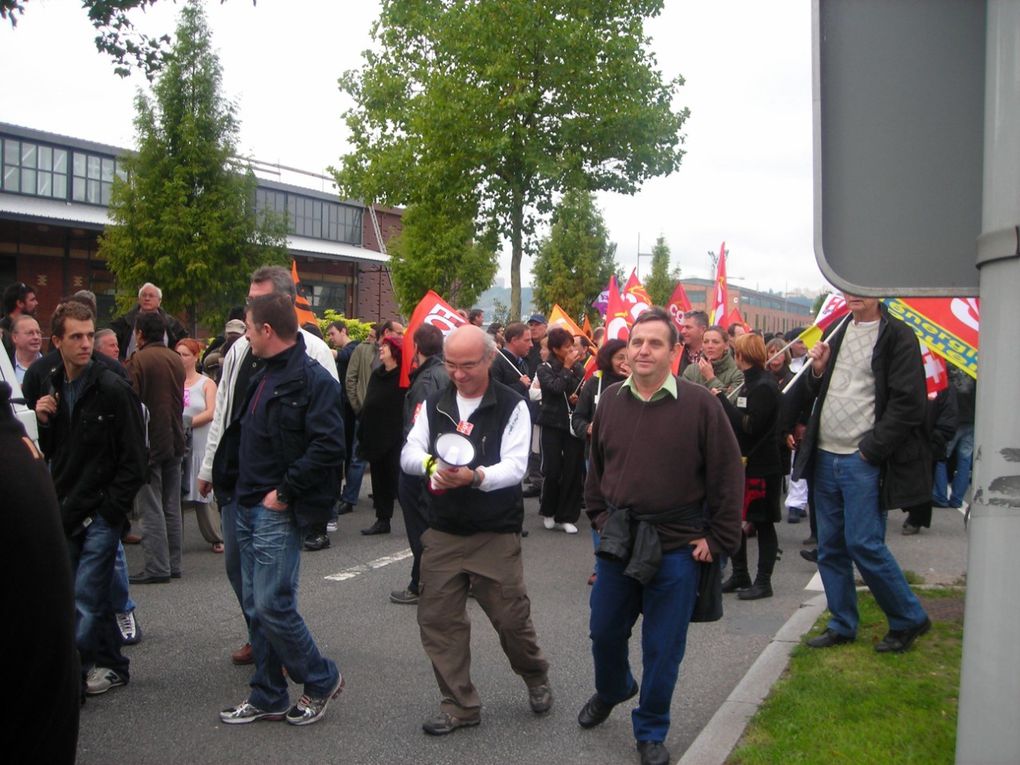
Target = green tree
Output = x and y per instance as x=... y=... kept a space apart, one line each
x=662 y=282
x=499 y=105
x=438 y=249
x=575 y=261
x=183 y=216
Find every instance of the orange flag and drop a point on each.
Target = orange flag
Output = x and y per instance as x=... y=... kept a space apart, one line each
x=433 y=310
x=586 y=327
x=301 y=306
x=559 y=318
x=618 y=319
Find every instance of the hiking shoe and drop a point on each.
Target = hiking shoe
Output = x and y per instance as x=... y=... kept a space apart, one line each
x=898 y=641
x=540 y=698
x=127 y=625
x=101 y=679
x=247 y=713
x=405 y=597
x=444 y=723
x=309 y=710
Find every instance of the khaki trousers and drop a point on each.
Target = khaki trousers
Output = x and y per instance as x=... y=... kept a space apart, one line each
x=491 y=565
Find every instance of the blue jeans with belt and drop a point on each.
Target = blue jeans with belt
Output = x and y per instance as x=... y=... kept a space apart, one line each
x=270 y=547
x=851 y=530
x=666 y=604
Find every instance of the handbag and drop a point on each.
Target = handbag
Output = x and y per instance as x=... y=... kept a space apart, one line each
x=708 y=603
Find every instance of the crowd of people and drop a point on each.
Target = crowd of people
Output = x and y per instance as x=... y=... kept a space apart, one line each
x=267 y=430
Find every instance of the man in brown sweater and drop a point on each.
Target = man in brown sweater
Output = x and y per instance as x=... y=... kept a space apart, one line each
x=662 y=453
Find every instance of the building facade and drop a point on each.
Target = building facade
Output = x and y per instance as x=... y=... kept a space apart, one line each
x=54 y=195
x=765 y=311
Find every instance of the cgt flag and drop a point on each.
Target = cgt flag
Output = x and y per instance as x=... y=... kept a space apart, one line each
x=719 y=296
x=678 y=305
x=433 y=310
x=618 y=320
x=636 y=296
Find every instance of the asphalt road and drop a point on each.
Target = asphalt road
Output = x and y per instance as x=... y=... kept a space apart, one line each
x=181 y=675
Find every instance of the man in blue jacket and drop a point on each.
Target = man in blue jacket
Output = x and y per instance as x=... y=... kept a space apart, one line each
x=285 y=444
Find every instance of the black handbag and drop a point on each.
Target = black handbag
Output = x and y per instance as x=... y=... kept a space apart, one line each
x=708 y=604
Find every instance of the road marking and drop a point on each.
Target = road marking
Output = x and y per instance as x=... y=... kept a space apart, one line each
x=364 y=568
x=816 y=583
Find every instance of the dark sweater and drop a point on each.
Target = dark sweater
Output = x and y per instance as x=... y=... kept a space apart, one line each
x=661 y=455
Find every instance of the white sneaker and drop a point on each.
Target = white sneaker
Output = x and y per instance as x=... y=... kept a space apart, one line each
x=549 y=523
x=331 y=527
x=101 y=679
x=568 y=527
x=127 y=624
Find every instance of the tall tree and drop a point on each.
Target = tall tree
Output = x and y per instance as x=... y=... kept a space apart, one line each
x=183 y=216
x=437 y=250
x=575 y=261
x=501 y=104
x=661 y=283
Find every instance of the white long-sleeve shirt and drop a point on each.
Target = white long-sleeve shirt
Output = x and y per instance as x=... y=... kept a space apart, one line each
x=514 y=447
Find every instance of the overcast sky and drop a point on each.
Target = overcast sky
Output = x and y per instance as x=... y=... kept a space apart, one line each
x=746 y=177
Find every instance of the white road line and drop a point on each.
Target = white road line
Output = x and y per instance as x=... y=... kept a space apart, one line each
x=364 y=568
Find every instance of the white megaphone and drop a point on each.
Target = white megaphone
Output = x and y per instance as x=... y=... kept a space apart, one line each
x=452 y=451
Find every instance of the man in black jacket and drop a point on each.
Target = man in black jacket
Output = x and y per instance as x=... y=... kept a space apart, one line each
x=280 y=456
x=149 y=299
x=92 y=434
x=866 y=452
x=512 y=370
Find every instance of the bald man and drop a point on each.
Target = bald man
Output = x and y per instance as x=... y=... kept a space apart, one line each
x=474 y=535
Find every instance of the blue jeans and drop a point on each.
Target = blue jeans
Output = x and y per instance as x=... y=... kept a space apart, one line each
x=963 y=444
x=851 y=530
x=270 y=545
x=93 y=555
x=354 y=474
x=666 y=603
x=232 y=559
x=120 y=595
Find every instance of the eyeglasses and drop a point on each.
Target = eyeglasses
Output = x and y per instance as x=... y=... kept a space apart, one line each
x=467 y=366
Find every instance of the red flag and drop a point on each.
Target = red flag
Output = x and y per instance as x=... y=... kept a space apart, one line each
x=301 y=306
x=618 y=320
x=720 y=297
x=949 y=326
x=734 y=317
x=678 y=305
x=433 y=310
x=636 y=296
x=936 y=376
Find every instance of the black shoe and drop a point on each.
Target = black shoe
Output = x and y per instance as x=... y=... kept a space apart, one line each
x=757 y=591
x=828 y=639
x=809 y=555
x=653 y=753
x=379 y=527
x=344 y=508
x=898 y=641
x=143 y=578
x=910 y=529
x=175 y=574
x=315 y=542
x=595 y=711
x=530 y=490
x=736 y=583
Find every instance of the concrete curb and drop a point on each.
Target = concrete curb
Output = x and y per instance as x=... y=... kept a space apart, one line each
x=717 y=739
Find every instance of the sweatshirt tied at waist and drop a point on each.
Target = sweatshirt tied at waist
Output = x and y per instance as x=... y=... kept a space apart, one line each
x=633 y=538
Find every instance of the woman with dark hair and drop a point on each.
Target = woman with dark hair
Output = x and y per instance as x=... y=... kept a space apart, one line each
x=754 y=414
x=611 y=367
x=562 y=452
x=715 y=368
x=381 y=432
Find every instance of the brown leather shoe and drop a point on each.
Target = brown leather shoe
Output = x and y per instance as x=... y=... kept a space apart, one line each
x=243 y=655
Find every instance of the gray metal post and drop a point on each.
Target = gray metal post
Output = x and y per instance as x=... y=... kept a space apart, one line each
x=989 y=719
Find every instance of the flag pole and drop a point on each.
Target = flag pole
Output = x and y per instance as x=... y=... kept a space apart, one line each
x=808 y=363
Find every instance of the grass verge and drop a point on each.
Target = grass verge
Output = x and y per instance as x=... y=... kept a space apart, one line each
x=850 y=704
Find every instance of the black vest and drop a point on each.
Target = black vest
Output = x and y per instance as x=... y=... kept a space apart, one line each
x=465 y=510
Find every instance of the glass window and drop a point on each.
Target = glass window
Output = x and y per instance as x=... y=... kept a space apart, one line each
x=45 y=158
x=28 y=152
x=28 y=180
x=29 y=168
x=93 y=177
x=12 y=178
x=12 y=152
x=60 y=161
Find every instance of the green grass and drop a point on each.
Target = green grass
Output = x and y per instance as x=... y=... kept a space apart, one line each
x=850 y=704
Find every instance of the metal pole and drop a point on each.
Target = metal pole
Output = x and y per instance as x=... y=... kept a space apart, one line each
x=988 y=729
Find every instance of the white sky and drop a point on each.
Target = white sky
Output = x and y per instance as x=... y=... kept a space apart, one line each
x=746 y=177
